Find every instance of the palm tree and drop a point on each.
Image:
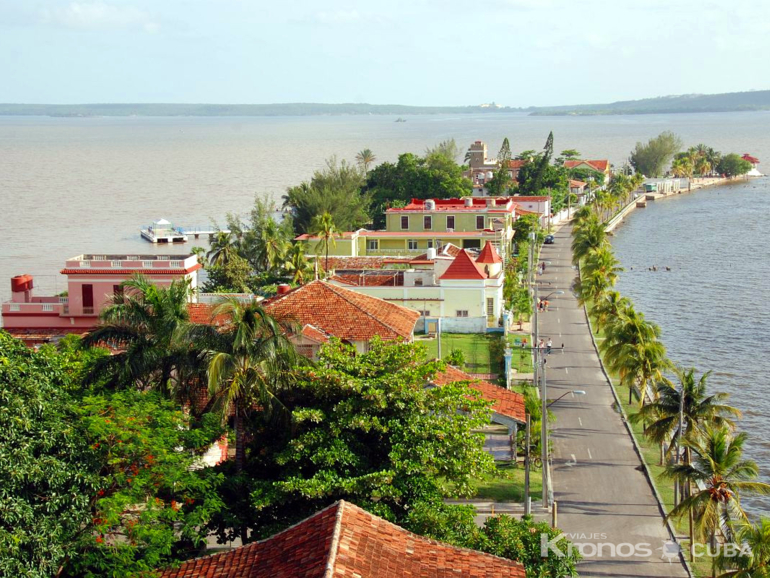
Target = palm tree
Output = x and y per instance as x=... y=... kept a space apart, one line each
x=323 y=227
x=586 y=236
x=365 y=158
x=143 y=324
x=297 y=264
x=715 y=479
x=270 y=246
x=631 y=349
x=702 y=166
x=609 y=306
x=699 y=410
x=222 y=249
x=250 y=358
x=754 y=559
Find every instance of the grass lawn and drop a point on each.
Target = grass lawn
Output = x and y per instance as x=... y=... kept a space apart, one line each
x=476 y=349
x=506 y=484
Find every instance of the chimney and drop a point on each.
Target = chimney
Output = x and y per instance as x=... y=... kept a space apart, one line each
x=468 y=201
x=21 y=289
x=283 y=289
x=491 y=202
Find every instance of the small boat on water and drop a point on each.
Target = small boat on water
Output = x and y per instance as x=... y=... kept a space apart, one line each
x=399 y=119
x=163 y=231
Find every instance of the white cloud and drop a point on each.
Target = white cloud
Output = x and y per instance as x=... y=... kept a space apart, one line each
x=99 y=16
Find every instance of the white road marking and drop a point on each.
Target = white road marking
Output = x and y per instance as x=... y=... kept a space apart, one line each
x=567 y=371
x=589 y=453
x=558 y=320
x=581 y=422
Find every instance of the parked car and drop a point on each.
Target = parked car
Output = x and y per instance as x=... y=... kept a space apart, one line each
x=549 y=240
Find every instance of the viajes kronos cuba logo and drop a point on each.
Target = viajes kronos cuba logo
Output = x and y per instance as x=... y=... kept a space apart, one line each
x=669 y=550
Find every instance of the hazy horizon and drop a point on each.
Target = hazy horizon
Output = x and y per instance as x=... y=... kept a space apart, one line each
x=517 y=53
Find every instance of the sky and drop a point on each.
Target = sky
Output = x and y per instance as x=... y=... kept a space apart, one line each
x=415 y=52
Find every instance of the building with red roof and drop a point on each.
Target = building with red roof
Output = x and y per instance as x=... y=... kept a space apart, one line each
x=334 y=310
x=599 y=165
x=346 y=541
x=461 y=290
x=508 y=407
x=92 y=281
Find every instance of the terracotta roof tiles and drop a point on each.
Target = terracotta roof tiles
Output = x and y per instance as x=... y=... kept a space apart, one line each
x=489 y=254
x=344 y=313
x=505 y=402
x=344 y=541
x=601 y=165
x=464 y=267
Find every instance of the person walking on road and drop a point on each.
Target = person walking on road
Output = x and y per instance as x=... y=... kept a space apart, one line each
x=548 y=347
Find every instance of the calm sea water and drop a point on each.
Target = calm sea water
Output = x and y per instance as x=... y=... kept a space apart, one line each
x=71 y=186
x=712 y=305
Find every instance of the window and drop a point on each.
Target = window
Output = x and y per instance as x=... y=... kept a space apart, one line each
x=418 y=282
x=88 y=298
x=490 y=307
x=412 y=244
x=424 y=312
x=427 y=222
x=471 y=243
x=405 y=223
x=479 y=221
x=117 y=290
x=430 y=243
x=450 y=222
x=461 y=313
x=373 y=244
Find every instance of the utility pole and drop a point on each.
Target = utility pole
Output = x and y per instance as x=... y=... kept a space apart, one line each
x=544 y=435
x=527 y=502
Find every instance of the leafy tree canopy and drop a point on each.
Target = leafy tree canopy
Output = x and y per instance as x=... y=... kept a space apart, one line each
x=732 y=165
x=651 y=159
x=335 y=190
x=365 y=429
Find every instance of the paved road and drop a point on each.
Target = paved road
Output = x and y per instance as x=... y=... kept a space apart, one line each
x=602 y=497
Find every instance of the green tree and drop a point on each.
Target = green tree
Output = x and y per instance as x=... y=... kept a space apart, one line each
x=335 y=190
x=632 y=349
x=447 y=149
x=434 y=176
x=143 y=324
x=608 y=307
x=222 y=249
x=323 y=227
x=700 y=410
x=652 y=158
x=297 y=264
x=249 y=360
x=365 y=158
x=716 y=479
x=754 y=559
x=524 y=226
x=46 y=475
x=598 y=274
x=153 y=503
x=732 y=165
x=587 y=235
x=365 y=429
x=233 y=277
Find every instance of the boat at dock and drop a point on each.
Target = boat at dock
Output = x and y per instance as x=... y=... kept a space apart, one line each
x=162 y=231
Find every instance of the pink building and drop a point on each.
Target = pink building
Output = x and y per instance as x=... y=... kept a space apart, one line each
x=92 y=280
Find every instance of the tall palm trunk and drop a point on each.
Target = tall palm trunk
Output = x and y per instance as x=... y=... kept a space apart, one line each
x=240 y=446
x=326 y=263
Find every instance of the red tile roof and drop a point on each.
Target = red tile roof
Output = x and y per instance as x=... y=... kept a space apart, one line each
x=516 y=163
x=360 y=262
x=464 y=267
x=573 y=184
x=374 y=279
x=751 y=159
x=478 y=203
x=489 y=254
x=44 y=334
x=203 y=314
x=344 y=541
x=505 y=402
x=314 y=334
x=344 y=313
x=601 y=165
x=340 y=235
x=105 y=271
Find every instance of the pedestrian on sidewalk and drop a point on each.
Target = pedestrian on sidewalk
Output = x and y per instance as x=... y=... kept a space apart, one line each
x=548 y=347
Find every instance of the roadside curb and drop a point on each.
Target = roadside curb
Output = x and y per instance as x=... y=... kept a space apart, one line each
x=637 y=448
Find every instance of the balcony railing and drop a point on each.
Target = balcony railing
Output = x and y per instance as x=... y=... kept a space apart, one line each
x=88 y=310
